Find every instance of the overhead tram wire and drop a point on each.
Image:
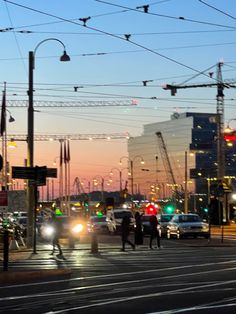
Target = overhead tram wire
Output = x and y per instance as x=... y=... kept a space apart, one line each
x=162 y=15
x=112 y=35
x=218 y=10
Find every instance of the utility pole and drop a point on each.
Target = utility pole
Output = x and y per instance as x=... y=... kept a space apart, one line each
x=220 y=124
x=186 y=184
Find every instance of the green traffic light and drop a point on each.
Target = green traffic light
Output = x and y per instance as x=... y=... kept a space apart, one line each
x=170 y=208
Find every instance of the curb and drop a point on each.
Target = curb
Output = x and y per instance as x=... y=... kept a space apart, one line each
x=26 y=276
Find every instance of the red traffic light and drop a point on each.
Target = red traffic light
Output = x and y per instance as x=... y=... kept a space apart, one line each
x=151 y=209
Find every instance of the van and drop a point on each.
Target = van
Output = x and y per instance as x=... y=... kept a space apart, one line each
x=115 y=217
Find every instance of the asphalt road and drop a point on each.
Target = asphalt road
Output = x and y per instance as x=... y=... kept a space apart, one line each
x=184 y=276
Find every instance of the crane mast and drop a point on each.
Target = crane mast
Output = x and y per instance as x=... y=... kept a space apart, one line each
x=220 y=84
x=166 y=160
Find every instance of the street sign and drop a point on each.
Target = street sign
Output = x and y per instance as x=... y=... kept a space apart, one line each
x=37 y=174
x=51 y=172
x=23 y=173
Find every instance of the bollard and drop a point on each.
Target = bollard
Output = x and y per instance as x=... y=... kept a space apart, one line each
x=5 y=249
x=71 y=242
x=94 y=243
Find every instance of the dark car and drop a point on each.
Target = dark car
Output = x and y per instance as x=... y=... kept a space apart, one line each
x=185 y=225
x=145 y=219
x=71 y=228
x=163 y=220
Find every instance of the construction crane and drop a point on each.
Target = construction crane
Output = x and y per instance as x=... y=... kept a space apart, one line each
x=220 y=84
x=62 y=137
x=166 y=161
x=72 y=104
x=79 y=186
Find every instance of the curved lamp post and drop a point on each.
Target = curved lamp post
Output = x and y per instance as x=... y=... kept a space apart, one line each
x=31 y=197
x=131 y=161
x=102 y=184
x=120 y=175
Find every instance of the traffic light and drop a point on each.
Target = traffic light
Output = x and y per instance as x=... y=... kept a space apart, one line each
x=58 y=211
x=169 y=208
x=151 y=209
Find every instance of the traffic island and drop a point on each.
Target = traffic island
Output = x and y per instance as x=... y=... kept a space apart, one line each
x=32 y=276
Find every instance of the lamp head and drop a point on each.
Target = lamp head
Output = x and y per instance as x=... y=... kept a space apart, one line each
x=11 y=119
x=64 y=57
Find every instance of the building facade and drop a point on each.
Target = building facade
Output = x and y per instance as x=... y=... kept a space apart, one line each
x=181 y=148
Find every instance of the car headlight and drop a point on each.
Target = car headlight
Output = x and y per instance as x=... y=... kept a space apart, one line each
x=77 y=228
x=48 y=231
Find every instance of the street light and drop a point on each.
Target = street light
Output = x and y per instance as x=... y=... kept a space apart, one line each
x=102 y=184
x=31 y=189
x=132 y=169
x=120 y=175
x=228 y=129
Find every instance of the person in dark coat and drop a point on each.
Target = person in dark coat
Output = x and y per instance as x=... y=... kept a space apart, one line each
x=57 y=225
x=125 y=230
x=138 y=232
x=154 y=231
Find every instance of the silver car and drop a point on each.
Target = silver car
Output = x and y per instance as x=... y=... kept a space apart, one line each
x=97 y=224
x=186 y=225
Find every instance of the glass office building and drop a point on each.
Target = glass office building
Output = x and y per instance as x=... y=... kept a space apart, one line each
x=185 y=144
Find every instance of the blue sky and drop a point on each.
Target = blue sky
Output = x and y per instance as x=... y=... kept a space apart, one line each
x=162 y=48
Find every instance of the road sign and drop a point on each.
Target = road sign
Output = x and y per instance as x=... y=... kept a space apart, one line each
x=37 y=174
x=23 y=173
x=51 y=172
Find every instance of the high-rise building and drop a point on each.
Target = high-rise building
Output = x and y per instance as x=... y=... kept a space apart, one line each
x=183 y=147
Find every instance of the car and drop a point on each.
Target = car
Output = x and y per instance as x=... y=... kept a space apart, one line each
x=145 y=219
x=186 y=225
x=115 y=217
x=97 y=224
x=72 y=228
x=22 y=221
x=163 y=220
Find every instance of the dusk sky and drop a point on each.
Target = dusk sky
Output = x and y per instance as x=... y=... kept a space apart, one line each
x=118 y=52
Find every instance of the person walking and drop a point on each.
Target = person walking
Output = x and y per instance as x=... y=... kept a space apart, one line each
x=154 y=231
x=125 y=230
x=138 y=231
x=57 y=226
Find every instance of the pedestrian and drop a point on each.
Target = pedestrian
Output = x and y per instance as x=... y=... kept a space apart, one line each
x=57 y=226
x=125 y=230
x=138 y=231
x=154 y=231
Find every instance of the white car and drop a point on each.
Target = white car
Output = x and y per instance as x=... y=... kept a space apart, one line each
x=115 y=217
x=186 y=225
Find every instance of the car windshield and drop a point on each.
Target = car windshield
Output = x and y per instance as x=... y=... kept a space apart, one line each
x=166 y=218
x=145 y=218
x=98 y=219
x=122 y=214
x=189 y=218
